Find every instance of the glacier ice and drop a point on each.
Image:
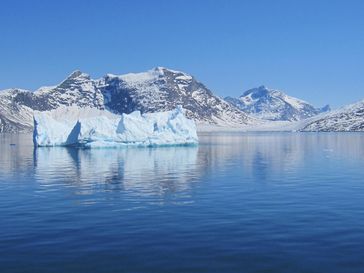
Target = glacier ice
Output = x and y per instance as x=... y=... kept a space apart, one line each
x=90 y=128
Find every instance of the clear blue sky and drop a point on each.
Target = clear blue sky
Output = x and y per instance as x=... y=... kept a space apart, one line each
x=312 y=49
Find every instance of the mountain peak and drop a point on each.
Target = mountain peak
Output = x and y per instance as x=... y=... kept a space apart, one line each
x=75 y=76
x=271 y=104
x=256 y=92
x=78 y=74
x=162 y=70
x=326 y=108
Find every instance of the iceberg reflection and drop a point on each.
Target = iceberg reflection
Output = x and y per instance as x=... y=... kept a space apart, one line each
x=139 y=170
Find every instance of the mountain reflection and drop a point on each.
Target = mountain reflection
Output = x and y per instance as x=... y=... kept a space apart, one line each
x=260 y=155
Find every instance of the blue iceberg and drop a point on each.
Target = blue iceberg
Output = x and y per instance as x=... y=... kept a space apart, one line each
x=91 y=128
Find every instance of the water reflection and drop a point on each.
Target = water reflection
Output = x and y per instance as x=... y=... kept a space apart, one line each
x=291 y=200
x=163 y=171
x=16 y=154
x=260 y=155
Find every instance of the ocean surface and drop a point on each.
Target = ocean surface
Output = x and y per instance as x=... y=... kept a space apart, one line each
x=253 y=202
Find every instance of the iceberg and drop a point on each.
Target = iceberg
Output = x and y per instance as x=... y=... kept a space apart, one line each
x=92 y=128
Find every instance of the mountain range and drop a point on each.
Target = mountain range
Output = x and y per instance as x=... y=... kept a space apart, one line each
x=159 y=89
x=162 y=89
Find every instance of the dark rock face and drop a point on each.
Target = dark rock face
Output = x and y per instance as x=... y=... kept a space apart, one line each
x=156 y=90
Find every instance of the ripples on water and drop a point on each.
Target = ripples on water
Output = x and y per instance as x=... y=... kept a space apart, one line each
x=279 y=202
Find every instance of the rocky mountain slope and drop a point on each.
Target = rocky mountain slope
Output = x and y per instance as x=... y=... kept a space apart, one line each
x=348 y=118
x=159 y=89
x=269 y=104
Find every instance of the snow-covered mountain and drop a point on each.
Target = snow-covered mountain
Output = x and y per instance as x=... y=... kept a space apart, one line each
x=15 y=115
x=163 y=89
x=159 y=89
x=274 y=105
x=348 y=118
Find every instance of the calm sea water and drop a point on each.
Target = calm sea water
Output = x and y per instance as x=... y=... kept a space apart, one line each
x=278 y=202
